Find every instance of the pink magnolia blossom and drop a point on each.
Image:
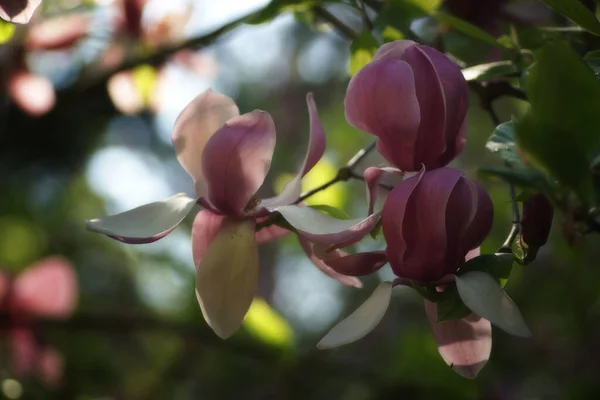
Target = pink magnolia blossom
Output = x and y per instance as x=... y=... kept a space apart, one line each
x=414 y=99
x=228 y=156
x=47 y=289
x=431 y=221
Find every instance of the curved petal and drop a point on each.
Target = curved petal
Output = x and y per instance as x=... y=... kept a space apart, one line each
x=362 y=321
x=358 y=264
x=324 y=267
x=425 y=221
x=430 y=143
x=144 y=224
x=205 y=115
x=464 y=344
x=236 y=160
x=18 y=11
x=46 y=289
x=227 y=277
x=373 y=176
x=393 y=215
x=392 y=50
x=456 y=96
x=205 y=228
x=381 y=100
x=316 y=149
x=58 y=33
x=321 y=228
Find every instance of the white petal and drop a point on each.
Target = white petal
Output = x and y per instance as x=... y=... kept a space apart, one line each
x=146 y=223
x=227 y=276
x=484 y=296
x=360 y=322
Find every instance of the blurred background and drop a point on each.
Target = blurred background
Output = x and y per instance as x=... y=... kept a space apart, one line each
x=90 y=91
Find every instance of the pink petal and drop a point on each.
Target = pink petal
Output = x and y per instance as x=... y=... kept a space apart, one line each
x=430 y=144
x=47 y=289
x=24 y=350
x=316 y=149
x=200 y=119
x=50 y=366
x=424 y=227
x=473 y=253
x=204 y=230
x=308 y=248
x=269 y=233
x=464 y=344
x=373 y=176
x=481 y=223
x=236 y=160
x=18 y=11
x=359 y=264
x=393 y=215
x=456 y=95
x=381 y=100
x=393 y=50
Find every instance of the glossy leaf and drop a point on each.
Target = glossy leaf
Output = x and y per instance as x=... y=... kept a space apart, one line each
x=494 y=69
x=498 y=265
x=560 y=131
x=576 y=12
x=450 y=306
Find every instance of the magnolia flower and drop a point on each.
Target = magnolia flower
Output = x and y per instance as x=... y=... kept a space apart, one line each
x=228 y=156
x=414 y=99
x=18 y=11
x=536 y=221
x=47 y=289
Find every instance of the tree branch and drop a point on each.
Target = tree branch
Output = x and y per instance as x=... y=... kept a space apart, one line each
x=344 y=31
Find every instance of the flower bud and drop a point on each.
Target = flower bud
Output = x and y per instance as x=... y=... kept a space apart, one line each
x=414 y=99
x=431 y=221
x=536 y=221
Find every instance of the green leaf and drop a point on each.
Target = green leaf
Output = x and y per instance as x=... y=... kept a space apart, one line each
x=331 y=211
x=560 y=130
x=484 y=296
x=450 y=306
x=498 y=265
x=576 y=12
x=502 y=143
x=468 y=29
x=490 y=70
x=362 y=50
x=527 y=178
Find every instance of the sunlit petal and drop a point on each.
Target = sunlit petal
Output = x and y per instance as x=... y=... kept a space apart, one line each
x=227 y=276
x=206 y=114
x=316 y=148
x=236 y=160
x=464 y=344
